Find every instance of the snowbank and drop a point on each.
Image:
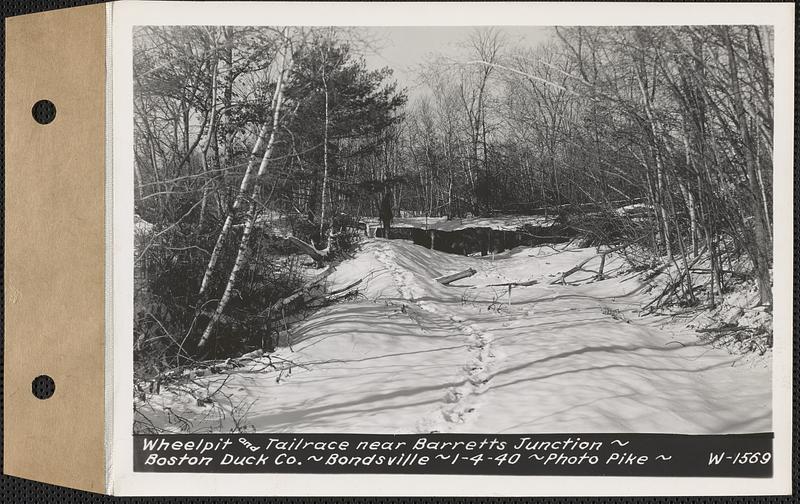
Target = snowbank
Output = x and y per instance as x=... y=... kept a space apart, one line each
x=412 y=355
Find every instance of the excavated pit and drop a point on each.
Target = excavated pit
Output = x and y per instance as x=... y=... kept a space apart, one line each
x=485 y=240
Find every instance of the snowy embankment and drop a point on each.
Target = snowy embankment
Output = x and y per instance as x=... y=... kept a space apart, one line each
x=412 y=355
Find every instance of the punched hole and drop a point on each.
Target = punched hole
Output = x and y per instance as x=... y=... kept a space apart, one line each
x=44 y=111
x=43 y=387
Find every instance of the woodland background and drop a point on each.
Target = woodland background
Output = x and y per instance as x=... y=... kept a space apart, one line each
x=259 y=148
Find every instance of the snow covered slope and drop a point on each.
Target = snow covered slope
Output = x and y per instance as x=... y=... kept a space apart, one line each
x=412 y=355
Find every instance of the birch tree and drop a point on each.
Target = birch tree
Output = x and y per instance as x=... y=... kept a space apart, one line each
x=283 y=65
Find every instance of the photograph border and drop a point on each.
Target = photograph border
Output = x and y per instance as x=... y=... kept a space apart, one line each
x=123 y=16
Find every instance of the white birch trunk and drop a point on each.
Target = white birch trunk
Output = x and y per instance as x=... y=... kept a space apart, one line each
x=240 y=196
x=324 y=152
x=243 y=243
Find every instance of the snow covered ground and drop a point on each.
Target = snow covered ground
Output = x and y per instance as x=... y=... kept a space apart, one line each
x=412 y=355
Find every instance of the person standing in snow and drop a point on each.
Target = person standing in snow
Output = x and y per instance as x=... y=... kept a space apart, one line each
x=386 y=213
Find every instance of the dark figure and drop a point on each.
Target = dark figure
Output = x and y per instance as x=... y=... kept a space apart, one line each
x=386 y=213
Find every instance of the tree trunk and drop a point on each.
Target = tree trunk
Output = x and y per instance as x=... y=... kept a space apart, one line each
x=324 y=152
x=243 y=243
x=246 y=179
x=762 y=255
x=212 y=128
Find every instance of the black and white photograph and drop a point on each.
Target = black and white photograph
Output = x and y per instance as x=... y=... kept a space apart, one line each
x=455 y=229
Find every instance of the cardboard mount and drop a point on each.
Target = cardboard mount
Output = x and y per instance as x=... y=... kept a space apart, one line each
x=54 y=247
x=56 y=295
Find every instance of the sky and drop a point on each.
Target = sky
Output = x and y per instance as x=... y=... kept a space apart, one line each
x=404 y=48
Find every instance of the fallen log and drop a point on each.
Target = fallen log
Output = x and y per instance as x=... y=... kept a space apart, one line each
x=311 y=295
x=659 y=300
x=574 y=269
x=343 y=289
x=721 y=329
x=599 y=273
x=315 y=253
x=444 y=280
x=515 y=284
x=302 y=290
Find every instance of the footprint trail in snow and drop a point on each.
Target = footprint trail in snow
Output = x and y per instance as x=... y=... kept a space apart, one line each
x=460 y=403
